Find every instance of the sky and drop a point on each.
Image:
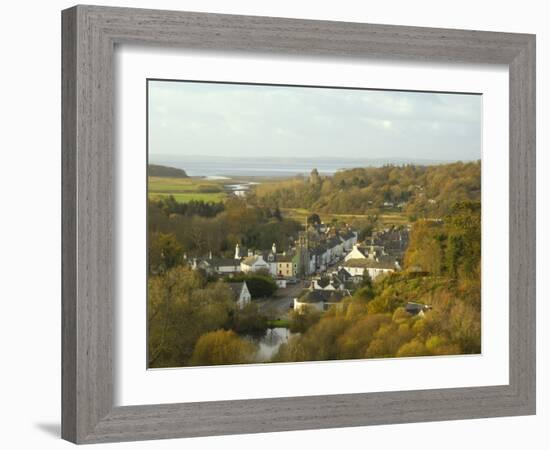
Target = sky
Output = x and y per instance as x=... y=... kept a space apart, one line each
x=216 y=119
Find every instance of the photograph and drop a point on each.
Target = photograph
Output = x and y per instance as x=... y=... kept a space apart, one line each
x=292 y=223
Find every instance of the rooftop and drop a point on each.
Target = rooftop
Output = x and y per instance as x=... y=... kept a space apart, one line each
x=236 y=287
x=250 y=260
x=322 y=296
x=219 y=262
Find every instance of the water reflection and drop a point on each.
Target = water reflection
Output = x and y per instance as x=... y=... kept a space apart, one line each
x=269 y=343
x=241 y=189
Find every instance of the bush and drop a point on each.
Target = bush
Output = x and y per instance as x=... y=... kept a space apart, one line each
x=222 y=347
x=300 y=322
x=249 y=320
x=259 y=285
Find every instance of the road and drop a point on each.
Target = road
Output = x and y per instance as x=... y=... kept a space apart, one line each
x=279 y=304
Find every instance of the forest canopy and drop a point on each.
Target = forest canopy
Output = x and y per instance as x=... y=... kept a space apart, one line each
x=423 y=191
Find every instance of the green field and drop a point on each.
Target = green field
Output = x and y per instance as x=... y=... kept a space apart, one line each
x=187 y=189
x=300 y=215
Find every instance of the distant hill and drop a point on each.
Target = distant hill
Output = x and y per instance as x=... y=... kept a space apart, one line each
x=165 y=171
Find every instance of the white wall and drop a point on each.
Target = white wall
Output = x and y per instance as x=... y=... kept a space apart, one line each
x=30 y=226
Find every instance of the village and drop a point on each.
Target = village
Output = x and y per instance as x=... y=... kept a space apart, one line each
x=325 y=265
x=320 y=244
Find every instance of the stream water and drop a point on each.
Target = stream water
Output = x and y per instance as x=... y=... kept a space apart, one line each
x=269 y=343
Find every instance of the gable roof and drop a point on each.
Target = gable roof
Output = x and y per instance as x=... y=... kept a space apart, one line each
x=236 y=287
x=343 y=273
x=317 y=296
x=223 y=262
x=251 y=260
x=283 y=258
x=363 y=250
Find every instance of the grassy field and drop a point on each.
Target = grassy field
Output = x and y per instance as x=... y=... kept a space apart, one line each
x=390 y=218
x=187 y=189
x=187 y=197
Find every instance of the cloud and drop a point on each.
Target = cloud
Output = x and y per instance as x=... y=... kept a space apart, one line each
x=251 y=120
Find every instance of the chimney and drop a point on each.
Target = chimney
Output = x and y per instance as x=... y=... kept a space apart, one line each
x=274 y=248
x=237 y=251
x=210 y=254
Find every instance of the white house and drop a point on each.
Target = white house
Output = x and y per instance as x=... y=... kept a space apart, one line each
x=319 y=300
x=357 y=267
x=254 y=263
x=241 y=294
x=361 y=252
x=218 y=265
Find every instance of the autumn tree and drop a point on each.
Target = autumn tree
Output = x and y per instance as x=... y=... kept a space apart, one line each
x=182 y=306
x=165 y=252
x=222 y=347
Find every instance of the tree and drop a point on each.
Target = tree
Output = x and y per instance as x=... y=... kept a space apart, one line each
x=301 y=321
x=366 y=232
x=425 y=247
x=314 y=219
x=249 y=320
x=260 y=285
x=412 y=348
x=165 y=252
x=464 y=239
x=222 y=347
x=428 y=191
x=366 y=281
x=155 y=170
x=181 y=307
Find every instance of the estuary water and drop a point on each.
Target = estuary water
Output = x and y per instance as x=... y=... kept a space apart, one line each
x=257 y=166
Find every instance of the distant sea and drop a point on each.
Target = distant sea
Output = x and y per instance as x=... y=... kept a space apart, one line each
x=209 y=166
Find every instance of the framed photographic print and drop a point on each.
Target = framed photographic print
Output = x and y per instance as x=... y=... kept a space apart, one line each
x=279 y=224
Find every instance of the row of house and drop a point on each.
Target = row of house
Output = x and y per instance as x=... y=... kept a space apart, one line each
x=283 y=265
x=277 y=264
x=321 y=297
x=331 y=251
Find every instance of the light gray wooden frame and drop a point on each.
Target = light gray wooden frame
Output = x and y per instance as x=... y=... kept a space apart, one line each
x=89 y=36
